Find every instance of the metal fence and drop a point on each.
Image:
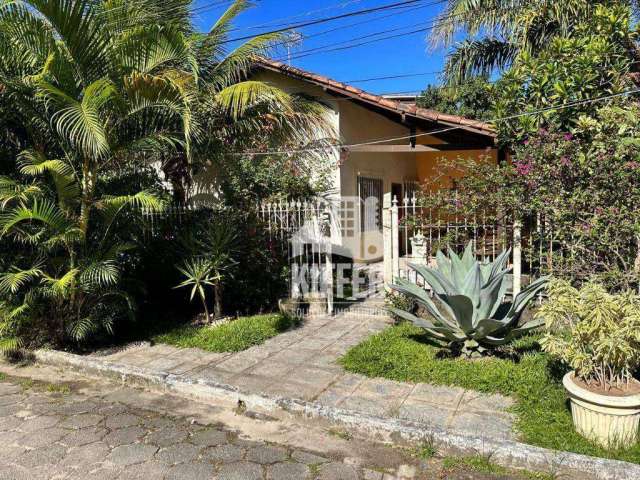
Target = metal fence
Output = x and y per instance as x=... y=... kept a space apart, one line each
x=414 y=233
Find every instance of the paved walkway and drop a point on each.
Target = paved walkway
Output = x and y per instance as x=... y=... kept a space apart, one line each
x=302 y=364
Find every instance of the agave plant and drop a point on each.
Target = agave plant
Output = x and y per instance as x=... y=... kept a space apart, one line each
x=467 y=307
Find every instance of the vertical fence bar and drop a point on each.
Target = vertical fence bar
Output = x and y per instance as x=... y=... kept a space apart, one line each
x=517 y=257
x=395 y=235
x=387 y=232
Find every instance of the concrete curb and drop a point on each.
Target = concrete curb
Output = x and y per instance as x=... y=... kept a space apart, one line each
x=502 y=452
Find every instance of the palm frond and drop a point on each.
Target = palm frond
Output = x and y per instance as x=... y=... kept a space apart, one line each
x=34 y=163
x=61 y=287
x=9 y=344
x=473 y=58
x=100 y=274
x=41 y=211
x=240 y=97
x=13 y=191
x=81 y=123
x=237 y=64
x=16 y=278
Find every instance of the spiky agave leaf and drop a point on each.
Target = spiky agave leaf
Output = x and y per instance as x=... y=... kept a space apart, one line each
x=470 y=294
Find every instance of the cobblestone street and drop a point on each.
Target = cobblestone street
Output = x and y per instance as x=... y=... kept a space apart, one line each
x=66 y=431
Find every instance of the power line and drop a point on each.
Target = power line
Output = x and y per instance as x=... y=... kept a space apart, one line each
x=354 y=24
x=303 y=14
x=443 y=130
x=333 y=18
x=322 y=48
x=327 y=48
x=393 y=77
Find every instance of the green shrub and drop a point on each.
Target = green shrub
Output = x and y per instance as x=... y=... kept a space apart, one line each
x=596 y=333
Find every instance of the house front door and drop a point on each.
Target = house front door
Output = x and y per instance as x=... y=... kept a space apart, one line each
x=370 y=192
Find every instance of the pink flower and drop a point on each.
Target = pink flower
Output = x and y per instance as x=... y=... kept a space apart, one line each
x=565 y=162
x=568 y=137
x=523 y=168
x=632 y=165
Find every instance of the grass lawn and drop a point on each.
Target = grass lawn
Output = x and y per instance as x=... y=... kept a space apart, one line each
x=234 y=336
x=404 y=353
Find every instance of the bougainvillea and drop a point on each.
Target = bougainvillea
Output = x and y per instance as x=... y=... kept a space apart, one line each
x=577 y=194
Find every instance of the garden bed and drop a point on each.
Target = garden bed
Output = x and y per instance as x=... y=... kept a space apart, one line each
x=526 y=374
x=234 y=336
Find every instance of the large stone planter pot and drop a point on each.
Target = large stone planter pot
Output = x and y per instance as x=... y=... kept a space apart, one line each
x=610 y=421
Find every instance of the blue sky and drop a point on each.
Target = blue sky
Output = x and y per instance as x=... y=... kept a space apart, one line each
x=404 y=54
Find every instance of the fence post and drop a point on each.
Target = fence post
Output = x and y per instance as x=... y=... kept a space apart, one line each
x=517 y=257
x=395 y=236
x=387 y=240
x=328 y=261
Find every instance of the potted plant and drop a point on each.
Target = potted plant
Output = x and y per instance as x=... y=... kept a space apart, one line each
x=598 y=335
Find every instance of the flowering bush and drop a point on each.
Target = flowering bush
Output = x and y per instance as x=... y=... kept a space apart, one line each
x=576 y=192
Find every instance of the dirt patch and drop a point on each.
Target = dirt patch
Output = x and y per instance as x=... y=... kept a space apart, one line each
x=633 y=388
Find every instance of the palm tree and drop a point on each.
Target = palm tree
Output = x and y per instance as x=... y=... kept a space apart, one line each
x=499 y=30
x=94 y=86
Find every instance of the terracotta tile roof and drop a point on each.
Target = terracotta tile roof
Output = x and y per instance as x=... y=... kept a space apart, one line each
x=376 y=100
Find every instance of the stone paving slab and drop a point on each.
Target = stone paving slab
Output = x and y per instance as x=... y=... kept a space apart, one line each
x=143 y=443
x=302 y=364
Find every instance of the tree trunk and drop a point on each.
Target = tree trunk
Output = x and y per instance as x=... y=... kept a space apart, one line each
x=206 y=309
x=217 y=299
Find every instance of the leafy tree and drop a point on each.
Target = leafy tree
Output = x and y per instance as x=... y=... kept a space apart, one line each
x=593 y=62
x=473 y=99
x=576 y=192
x=498 y=31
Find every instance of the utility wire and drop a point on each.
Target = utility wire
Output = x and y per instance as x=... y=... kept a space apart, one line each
x=443 y=130
x=328 y=48
x=354 y=24
x=333 y=18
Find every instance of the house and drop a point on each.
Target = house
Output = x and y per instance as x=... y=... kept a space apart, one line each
x=390 y=146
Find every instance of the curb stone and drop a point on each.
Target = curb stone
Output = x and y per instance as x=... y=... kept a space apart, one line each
x=506 y=453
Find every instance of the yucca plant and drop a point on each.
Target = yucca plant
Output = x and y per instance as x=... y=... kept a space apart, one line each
x=467 y=310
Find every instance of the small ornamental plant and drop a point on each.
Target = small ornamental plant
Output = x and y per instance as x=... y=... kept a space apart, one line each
x=594 y=332
x=598 y=335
